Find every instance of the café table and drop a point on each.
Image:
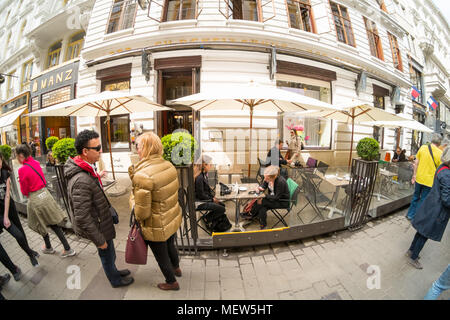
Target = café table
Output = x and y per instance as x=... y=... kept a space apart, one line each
x=239 y=197
x=338 y=183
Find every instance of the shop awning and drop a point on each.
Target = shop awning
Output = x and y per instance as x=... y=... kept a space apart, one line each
x=8 y=119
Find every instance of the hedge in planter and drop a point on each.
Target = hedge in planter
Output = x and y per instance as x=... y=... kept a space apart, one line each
x=50 y=142
x=179 y=148
x=368 y=149
x=63 y=149
x=5 y=151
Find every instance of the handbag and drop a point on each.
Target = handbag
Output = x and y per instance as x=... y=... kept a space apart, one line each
x=136 y=248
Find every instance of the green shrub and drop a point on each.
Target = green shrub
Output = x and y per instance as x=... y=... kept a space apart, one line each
x=179 y=148
x=63 y=149
x=368 y=149
x=5 y=151
x=50 y=142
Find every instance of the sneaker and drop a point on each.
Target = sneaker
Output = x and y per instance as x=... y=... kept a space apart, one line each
x=18 y=275
x=409 y=253
x=48 y=251
x=68 y=253
x=124 y=272
x=4 y=279
x=34 y=253
x=34 y=261
x=415 y=263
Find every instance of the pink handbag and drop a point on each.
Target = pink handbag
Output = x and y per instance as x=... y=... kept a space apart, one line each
x=136 y=249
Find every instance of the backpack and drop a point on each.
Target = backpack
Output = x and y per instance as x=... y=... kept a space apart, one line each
x=216 y=222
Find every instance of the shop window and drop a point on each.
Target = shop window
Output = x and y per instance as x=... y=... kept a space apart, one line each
x=75 y=45
x=122 y=15
x=417 y=81
x=179 y=10
x=53 y=54
x=378 y=102
x=120 y=133
x=300 y=15
x=35 y=134
x=396 y=54
x=316 y=133
x=343 y=24
x=115 y=85
x=27 y=71
x=376 y=48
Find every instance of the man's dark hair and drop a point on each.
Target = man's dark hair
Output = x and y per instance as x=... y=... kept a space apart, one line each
x=279 y=141
x=24 y=150
x=83 y=138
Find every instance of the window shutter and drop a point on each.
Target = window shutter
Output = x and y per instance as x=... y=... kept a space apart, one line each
x=321 y=17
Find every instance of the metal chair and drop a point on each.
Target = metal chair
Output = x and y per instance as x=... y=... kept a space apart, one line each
x=278 y=212
x=201 y=217
x=314 y=197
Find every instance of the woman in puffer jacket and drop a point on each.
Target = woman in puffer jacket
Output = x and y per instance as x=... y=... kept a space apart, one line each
x=155 y=200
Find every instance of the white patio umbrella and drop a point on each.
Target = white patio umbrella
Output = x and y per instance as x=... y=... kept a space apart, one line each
x=242 y=97
x=106 y=103
x=357 y=112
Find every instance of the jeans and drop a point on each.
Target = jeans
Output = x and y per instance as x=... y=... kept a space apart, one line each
x=60 y=235
x=167 y=257
x=108 y=258
x=417 y=245
x=6 y=260
x=420 y=193
x=439 y=286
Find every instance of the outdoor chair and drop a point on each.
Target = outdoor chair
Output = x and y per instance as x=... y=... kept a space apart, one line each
x=260 y=173
x=281 y=213
x=314 y=197
x=322 y=167
x=213 y=179
x=201 y=217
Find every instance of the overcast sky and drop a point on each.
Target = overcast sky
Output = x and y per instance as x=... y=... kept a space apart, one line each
x=444 y=6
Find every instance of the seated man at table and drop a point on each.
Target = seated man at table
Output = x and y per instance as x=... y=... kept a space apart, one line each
x=274 y=158
x=216 y=219
x=399 y=155
x=276 y=198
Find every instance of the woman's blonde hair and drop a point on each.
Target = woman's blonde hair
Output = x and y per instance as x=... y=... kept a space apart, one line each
x=198 y=167
x=151 y=144
x=271 y=171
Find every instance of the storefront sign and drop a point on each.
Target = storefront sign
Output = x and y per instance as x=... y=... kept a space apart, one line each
x=15 y=103
x=55 y=79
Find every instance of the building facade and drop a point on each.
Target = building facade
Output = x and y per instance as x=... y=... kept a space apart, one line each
x=43 y=41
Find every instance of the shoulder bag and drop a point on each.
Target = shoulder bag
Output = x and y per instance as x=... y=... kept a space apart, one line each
x=136 y=249
x=43 y=181
x=431 y=152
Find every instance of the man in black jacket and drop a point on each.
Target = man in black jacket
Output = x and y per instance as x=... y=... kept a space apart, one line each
x=91 y=216
x=277 y=197
x=274 y=158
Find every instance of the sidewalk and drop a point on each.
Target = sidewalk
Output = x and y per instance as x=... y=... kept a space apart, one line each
x=332 y=267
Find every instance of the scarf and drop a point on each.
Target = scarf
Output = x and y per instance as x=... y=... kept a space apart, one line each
x=88 y=168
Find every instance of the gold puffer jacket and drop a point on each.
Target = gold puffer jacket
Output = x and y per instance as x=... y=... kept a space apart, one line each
x=155 y=197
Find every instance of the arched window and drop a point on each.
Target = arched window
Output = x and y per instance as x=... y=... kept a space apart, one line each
x=75 y=45
x=53 y=54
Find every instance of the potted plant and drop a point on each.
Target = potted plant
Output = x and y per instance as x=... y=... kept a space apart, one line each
x=63 y=149
x=363 y=175
x=50 y=141
x=179 y=148
x=5 y=151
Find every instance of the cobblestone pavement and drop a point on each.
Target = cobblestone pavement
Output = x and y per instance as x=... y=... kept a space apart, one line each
x=338 y=266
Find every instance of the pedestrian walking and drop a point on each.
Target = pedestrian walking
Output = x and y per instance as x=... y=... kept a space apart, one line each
x=9 y=219
x=42 y=209
x=155 y=201
x=433 y=214
x=439 y=286
x=428 y=158
x=91 y=215
x=7 y=262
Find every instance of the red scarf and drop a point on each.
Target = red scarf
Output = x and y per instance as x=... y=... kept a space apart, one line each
x=88 y=168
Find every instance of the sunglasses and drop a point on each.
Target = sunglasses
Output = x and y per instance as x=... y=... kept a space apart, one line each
x=97 y=148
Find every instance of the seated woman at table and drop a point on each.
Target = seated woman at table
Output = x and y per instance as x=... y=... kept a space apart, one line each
x=399 y=155
x=216 y=219
x=276 y=198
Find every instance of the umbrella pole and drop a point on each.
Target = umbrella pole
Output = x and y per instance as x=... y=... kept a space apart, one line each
x=351 y=144
x=109 y=143
x=250 y=142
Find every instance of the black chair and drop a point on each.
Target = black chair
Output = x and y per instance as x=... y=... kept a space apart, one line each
x=314 y=197
x=322 y=167
x=280 y=215
x=260 y=173
x=202 y=215
x=213 y=179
